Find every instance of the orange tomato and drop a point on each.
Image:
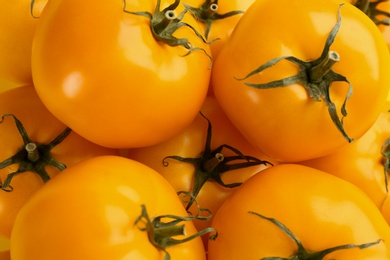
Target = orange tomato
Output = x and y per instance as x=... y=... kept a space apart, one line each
x=257 y=80
x=108 y=207
x=21 y=176
x=120 y=74
x=318 y=211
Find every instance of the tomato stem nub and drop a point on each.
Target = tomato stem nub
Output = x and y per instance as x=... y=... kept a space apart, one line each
x=213 y=163
x=32 y=157
x=302 y=253
x=207 y=13
x=162 y=229
x=164 y=23
x=316 y=76
x=32 y=152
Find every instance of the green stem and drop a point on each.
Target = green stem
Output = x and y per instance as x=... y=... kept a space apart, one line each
x=318 y=72
x=212 y=163
x=32 y=152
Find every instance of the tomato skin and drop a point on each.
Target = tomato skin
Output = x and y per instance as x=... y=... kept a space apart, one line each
x=361 y=162
x=15 y=42
x=94 y=205
x=42 y=127
x=151 y=92
x=191 y=144
x=304 y=200
x=285 y=123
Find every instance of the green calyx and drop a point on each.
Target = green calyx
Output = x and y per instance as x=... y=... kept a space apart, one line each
x=302 y=253
x=370 y=8
x=164 y=23
x=211 y=164
x=208 y=13
x=385 y=151
x=32 y=157
x=316 y=76
x=162 y=229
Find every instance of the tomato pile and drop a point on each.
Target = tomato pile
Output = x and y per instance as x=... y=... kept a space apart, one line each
x=195 y=129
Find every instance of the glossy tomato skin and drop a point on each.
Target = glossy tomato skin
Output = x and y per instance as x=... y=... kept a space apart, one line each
x=104 y=65
x=321 y=210
x=42 y=127
x=17 y=31
x=285 y=123
x=94 y=205
x=190 y=143
x=362 y=162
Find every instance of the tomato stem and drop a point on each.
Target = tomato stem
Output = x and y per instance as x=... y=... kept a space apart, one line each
x=316 y=76
x=318 y=71
x=32 y=152
x=302 y=253
x=213 y=163
x=207 y=13
x=370 y=8
x=162 y=229
x=164 y=23
x=33 y=157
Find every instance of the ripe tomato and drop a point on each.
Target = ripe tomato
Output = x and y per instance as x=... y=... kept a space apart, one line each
x=26 y=176
x=101 y=206
x=17 y=30
x=186 y=161
x=362 y=162
x=218 y=18
x=100 y=69
x=319 y=210
x=302 y=121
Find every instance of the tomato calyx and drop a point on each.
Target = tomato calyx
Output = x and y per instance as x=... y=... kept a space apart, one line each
x=302 y=253
x=208 y=13
x=211 y=164
x=316 y=76
x=32 y=157
x=162 y=229
x=371 y=10
x=164 y=23
x=385 y=151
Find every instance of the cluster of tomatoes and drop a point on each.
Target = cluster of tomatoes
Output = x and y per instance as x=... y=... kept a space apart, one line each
x=195 y=129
